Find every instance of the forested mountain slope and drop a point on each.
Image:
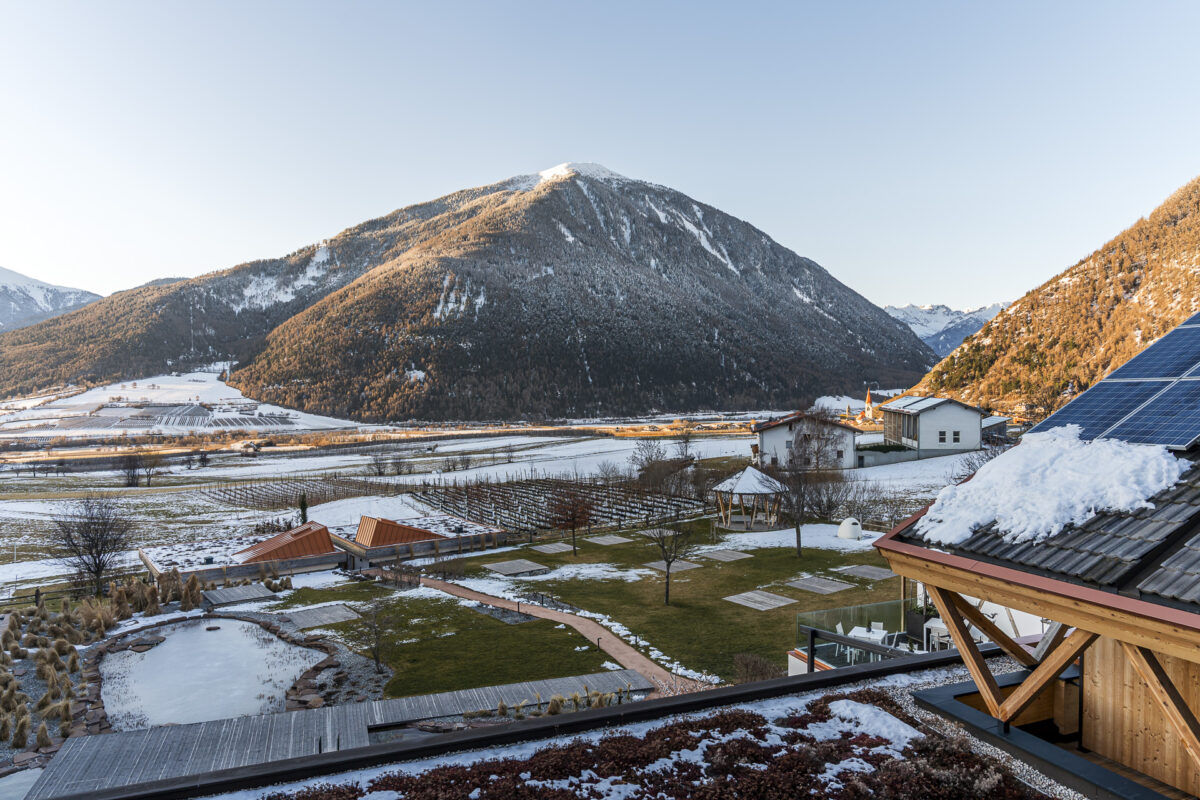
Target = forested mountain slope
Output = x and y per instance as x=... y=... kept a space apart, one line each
x=573 y=292
x=1069 y=332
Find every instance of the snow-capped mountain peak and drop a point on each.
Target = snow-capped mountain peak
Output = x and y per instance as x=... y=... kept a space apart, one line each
x=25 y=300
x=941 y=327
x=566 y=171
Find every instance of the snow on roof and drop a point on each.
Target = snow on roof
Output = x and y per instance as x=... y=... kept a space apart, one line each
x=1050 y=480
x=915 y=404
x=749 y=481
x=797 y=415
x=995 y=420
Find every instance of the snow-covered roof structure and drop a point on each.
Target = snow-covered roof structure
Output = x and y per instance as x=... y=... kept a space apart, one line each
x=750 y=481
x=915 y=404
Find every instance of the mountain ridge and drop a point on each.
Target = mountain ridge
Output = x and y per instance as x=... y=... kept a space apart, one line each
x=571 y=292
x=941 y=327
x=26 y=301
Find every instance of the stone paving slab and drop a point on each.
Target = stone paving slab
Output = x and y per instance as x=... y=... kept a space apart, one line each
x=869 y=572
x=609 y=538
x=812 y=583
x=759 y=600
x=324 y=615
x=236 y=594
x=726 y=555
x=556 y=547
x=518 y=566
x=678 y=566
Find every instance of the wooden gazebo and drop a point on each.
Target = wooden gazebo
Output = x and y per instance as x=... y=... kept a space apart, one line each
x=764 y=493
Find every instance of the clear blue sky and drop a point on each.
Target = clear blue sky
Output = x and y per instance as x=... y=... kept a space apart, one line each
x=952 y=153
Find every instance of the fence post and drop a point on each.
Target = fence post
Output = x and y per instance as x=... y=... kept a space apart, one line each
x=812 y=649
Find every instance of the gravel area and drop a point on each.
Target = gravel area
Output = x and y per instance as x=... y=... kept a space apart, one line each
x=902 y=694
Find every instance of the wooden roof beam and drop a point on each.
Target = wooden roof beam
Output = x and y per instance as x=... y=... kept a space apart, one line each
x=984 y=680
x=1052 y=639
x=1161 y=687
x=1046 y=672
x=990 y=629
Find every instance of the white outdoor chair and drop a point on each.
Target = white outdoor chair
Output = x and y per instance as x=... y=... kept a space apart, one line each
x=876 y=626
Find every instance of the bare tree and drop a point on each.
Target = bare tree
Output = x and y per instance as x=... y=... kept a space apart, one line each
x=373 y=628
x=131 y=468
x=202 y=458
x=645 y=453
x=609 y=472
x=672 y=546
x=571 y=510
x=798 y=499
x=683 y=444
x=814 y=443
x=379 y=464
x=152 y=463
x=92 y=537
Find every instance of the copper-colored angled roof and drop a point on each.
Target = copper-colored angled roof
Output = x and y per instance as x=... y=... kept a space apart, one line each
x=376 y=532
x=310 y=539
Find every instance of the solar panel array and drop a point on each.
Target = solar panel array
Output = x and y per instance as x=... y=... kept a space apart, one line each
x=1154 y=398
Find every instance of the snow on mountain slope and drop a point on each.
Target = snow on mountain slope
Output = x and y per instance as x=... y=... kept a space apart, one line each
x=570 y=292
x=579 y=292
x=25 y=300
x=941 y=327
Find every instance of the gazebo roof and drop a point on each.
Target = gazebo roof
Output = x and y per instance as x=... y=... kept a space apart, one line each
x=750 y=481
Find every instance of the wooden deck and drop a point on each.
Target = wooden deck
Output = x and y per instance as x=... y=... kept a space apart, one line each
x=109 y=761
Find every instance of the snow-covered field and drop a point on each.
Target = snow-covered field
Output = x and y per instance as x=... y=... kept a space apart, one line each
x=198 y=675
x=84 y=415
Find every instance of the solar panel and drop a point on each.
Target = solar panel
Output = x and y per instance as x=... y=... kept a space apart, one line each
x=1194 y=319
x=1171 y=419
x=1102 y=406
x=1172 y=356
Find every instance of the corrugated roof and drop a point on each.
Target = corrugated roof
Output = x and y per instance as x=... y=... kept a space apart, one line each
x=377 y=532
x=309 y=539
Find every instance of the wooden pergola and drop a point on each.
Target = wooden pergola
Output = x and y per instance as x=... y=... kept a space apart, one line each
x=1142 y=675
x=765 y=495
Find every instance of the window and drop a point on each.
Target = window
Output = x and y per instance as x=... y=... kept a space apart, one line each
x=956 y=437
x=942 y=437
x=788 y=444
x=841 y=454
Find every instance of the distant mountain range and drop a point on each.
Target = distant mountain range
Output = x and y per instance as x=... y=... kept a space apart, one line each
x=1071 y=331
x=571 y=292
x=24 y=300
x=941 y=327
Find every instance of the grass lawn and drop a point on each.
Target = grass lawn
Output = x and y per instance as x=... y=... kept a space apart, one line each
x=700 y=629
x=440 y=646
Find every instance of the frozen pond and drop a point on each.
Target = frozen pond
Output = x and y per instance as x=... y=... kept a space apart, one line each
x=198 y=675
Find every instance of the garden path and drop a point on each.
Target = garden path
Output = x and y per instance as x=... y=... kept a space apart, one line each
x=621 y=651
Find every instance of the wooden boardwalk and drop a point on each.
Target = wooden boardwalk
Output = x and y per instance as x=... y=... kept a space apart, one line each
x=115 y=760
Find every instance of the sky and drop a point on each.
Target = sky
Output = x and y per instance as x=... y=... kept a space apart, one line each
x=922 y=152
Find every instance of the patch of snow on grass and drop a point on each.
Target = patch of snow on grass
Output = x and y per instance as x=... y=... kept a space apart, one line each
x=817 y=536
x=1051 y=480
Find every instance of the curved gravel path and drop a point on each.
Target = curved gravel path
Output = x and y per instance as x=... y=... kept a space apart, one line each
x=622 y=652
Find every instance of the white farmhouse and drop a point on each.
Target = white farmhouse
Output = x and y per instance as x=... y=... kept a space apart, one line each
x=932 y=425
x=805 y=441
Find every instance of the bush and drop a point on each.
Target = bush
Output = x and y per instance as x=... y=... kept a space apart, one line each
x=751 y=667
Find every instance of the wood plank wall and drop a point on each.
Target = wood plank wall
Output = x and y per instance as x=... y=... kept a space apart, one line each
x=1122 y=722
